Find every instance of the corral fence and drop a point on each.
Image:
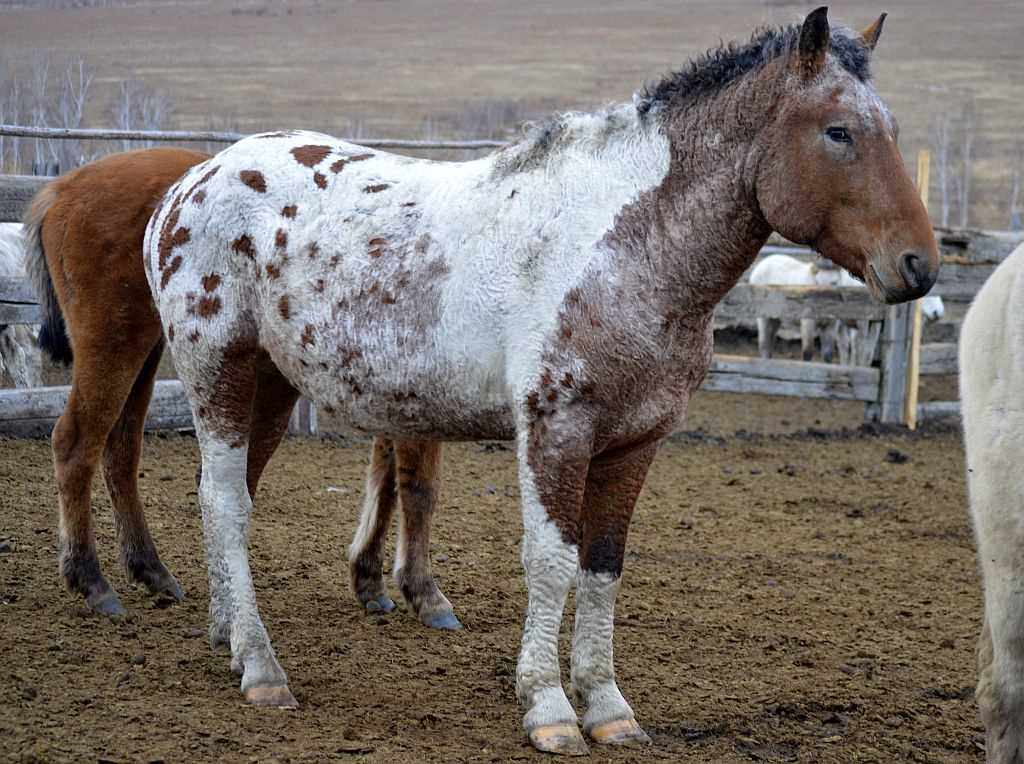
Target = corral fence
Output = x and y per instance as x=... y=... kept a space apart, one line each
x=969 y=256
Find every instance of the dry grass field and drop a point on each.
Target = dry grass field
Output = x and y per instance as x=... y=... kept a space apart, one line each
x=405 y=68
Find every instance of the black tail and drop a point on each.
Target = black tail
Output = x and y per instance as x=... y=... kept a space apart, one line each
x=53 y=336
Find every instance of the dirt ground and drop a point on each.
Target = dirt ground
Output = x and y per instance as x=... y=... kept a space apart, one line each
x=804 y=597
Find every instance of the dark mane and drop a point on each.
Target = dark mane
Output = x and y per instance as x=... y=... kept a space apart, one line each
x=716 y=69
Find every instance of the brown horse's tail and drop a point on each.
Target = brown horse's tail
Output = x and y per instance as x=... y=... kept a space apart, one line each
x=53 y=336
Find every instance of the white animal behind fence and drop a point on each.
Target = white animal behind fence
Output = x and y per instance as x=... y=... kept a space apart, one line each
x=855 y=341
x=20 y=361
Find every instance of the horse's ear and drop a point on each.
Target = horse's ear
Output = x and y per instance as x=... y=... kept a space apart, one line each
x=870 y=35
x=814 y=37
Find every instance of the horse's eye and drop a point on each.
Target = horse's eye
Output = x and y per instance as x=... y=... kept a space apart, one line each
x=838 y=135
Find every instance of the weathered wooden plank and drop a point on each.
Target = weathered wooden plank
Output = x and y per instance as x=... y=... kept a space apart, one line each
x=939 y=358
x=976 y=245
x=961 y=280
x=937 y=410
x=19 y=407
x=17 y=290
x=19 y=313
x=740 y=374
x=303 y=418
x=746 y=302
x=16 y=191
x=895 y=356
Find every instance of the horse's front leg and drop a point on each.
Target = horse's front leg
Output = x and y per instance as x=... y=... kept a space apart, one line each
x=613 y=484
x=552 y=476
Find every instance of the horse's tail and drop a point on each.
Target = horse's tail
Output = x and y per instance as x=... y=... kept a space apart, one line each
x=53 y=336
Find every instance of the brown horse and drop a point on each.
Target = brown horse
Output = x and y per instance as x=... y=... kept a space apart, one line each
x=559 y=292
x=84 y=233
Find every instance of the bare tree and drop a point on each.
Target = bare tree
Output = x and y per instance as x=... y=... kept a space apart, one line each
x=71 y=109
x=941 y=139
x=38 y=88
x=968 y=129
x=139 y=108
x=1015 y=183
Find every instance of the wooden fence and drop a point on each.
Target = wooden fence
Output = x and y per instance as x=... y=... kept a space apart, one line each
x=969 y=257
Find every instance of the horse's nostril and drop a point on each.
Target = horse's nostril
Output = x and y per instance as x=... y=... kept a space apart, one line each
x=910 y=269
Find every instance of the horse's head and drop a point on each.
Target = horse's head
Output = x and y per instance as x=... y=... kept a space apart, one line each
x=831 y=175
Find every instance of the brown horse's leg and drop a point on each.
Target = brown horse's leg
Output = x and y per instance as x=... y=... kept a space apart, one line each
x=275 y=399
x=102 y=380
x=613 y=484
x=419 y=477
x=121 y=469
x=366 y=553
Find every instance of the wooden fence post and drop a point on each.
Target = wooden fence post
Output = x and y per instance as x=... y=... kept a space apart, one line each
x=914 y=368
x=895 y=356
x=303 y=419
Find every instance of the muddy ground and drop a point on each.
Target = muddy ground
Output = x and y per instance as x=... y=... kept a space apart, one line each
x=787 y=598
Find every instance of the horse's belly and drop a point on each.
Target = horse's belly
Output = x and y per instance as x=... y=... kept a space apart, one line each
x=400 y=389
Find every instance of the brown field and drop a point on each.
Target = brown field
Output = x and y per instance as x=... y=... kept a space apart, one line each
x=785 y=599
x=407 y=68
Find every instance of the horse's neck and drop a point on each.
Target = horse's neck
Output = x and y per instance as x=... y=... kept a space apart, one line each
x=701 y=227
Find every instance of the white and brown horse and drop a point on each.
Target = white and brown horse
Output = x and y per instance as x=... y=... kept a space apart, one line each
x=559 y=293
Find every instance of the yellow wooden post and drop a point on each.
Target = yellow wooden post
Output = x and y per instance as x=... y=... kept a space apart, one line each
x=914 y=363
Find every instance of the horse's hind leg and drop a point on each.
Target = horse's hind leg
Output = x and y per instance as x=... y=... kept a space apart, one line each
x=366 y=553
x=419 y=478
x=102 y=379
x=121 y=469
x=222 y=384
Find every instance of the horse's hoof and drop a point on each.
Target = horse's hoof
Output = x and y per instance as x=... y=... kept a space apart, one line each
x=383 y=604
x=446 y=621
x=271 y=697
x=624 y=732
x=169 y=588
x=107 y=604
x=563 y=739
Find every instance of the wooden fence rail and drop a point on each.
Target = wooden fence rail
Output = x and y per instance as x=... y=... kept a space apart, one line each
x=211 y=136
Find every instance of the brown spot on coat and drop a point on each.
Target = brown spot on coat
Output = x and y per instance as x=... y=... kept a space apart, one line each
x=290 y=211
x=320 y=285
x=310 y=156
x=254 y=179
x=376 y=246
x=307 y=336
x=314 y=250
x=339 y=165
x=211 y=282
x=208 y=306
x=199 y=197
x=284 y=307
x=169 y=271
x=273 y=272
x=376 y=188
x=243 y=245
x=281 y=238
x=170 y=332
x=409 y=204
x=320 y=179
x=193 y=336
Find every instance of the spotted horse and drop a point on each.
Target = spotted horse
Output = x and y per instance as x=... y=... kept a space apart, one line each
x=558 y=293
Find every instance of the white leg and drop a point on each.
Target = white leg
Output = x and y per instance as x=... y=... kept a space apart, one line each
x=593 y=670
x=767 y=328
x=550 y=564
x=829 y=329
x=227 y=508
x=808 y=330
